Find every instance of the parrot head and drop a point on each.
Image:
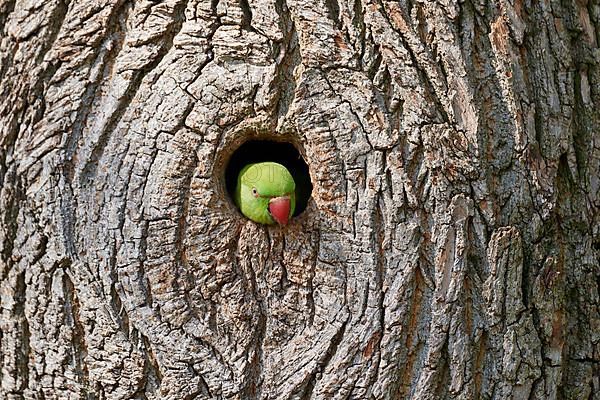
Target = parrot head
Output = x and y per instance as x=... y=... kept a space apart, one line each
x=266 y=193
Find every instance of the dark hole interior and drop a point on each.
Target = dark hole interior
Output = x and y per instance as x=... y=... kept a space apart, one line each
x=283 y=153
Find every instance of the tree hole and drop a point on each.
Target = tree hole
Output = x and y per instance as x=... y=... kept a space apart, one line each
x=284 y=153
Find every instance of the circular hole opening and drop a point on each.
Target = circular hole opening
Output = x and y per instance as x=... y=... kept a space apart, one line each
x=284 y=153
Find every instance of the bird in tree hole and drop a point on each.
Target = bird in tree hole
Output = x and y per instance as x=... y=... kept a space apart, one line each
x=266 y=193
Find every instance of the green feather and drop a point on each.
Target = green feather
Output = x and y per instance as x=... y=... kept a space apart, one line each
x=270 y=180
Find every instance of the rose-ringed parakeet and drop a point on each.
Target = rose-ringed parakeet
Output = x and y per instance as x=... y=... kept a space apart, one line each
x=266 y=193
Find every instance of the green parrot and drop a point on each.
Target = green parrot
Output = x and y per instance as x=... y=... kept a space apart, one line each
x=266 y=193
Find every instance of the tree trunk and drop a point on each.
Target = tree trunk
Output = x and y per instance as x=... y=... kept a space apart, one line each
x=450 y=250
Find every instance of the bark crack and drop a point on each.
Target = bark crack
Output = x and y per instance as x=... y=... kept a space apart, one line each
x=89 y=171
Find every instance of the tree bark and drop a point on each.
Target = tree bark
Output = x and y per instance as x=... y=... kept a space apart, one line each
x=450 y=250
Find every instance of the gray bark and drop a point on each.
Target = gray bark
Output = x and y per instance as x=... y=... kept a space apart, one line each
x=450 y=250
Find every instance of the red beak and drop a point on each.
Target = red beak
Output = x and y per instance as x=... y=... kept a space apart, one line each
x=279 y=208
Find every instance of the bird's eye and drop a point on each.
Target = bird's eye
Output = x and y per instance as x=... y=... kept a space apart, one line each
x=254 y=192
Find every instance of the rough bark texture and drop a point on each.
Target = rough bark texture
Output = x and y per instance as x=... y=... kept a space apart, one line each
x=450 y=250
